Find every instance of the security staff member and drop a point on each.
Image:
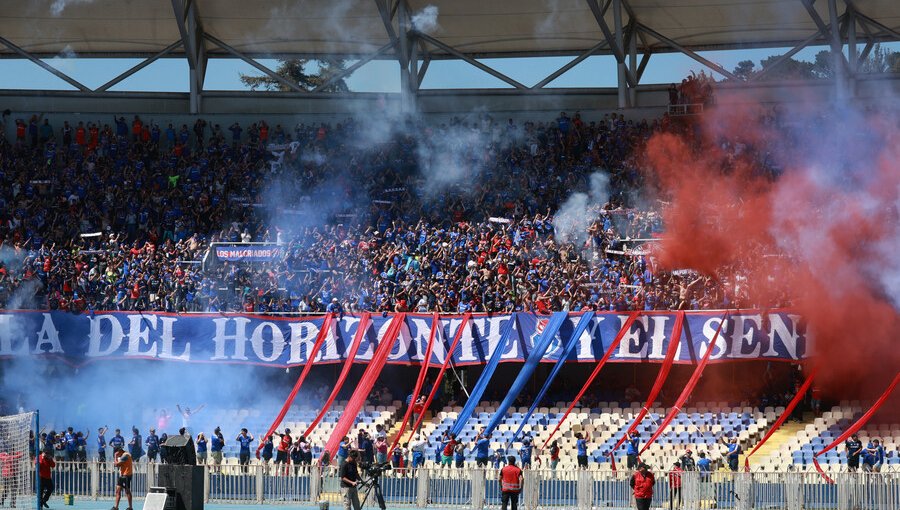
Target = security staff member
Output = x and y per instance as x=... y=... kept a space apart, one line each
x=510 y=483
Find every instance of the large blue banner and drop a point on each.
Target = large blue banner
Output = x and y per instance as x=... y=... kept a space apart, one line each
x=285 y=342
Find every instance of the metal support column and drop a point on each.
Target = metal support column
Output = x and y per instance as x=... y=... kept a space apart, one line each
x=620 y=62
x=406 y=100
x=837 y=57
x=633 y=66
x=194 y=48
x=852 y=53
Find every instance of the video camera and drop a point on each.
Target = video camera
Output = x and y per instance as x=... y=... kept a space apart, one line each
x=375 y=469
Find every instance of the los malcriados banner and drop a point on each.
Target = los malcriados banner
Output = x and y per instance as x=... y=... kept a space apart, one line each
x=286 y=341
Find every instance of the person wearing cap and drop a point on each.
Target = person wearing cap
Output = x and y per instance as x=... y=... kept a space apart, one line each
x=349 y=475
x=675 y=486
x=854 y=447
x=125 y=463
x=642 y=485
x=510 y=483
x=633 y=449
x=687 y=461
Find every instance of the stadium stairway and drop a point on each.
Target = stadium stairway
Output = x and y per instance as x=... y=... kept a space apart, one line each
x=771 y=450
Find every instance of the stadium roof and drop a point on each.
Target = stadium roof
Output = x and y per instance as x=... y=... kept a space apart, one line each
x=475 y=28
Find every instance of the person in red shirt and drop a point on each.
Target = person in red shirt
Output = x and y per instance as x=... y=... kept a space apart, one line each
x=510 y=483
x=281 y=456
x=45 y=465
x=9 y=464
x=642 y=484
x=675 y=486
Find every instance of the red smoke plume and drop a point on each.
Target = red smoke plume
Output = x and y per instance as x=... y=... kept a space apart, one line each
x=821 y=233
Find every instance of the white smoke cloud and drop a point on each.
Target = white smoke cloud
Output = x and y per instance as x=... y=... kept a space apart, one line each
x=575 y=215
x=58 y=6
x=426 y=20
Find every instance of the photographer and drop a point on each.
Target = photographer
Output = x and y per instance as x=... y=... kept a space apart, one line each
x=349 y=479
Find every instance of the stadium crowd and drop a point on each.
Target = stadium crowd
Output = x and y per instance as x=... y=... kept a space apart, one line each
x=111 y=216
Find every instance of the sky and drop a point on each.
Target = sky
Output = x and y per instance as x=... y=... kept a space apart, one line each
x=171 y=75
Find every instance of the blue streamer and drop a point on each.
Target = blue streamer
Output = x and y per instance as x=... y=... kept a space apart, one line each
x=534 y=357
x=481 y=385
x=569 y=349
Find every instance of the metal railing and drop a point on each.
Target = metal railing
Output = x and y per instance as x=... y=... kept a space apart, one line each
x=480 y=488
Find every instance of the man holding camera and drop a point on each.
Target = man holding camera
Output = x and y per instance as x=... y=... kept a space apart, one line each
x=349 y=480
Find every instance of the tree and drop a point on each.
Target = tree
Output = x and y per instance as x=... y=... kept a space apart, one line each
x=294 y=71
x=880 y=60
x=744 y=69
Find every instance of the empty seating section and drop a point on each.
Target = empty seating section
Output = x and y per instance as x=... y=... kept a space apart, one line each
x=799 y=450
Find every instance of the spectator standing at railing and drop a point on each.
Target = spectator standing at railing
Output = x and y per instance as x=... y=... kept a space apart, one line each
x=244 y=439
x=152 y=443
x=675 y=486
x=875 y=451
x=734 y=451
x=554 y=455
x=101 y=445
x=854 y=448
x=459 y=455
x=201 y=449
x=482 y=444
x=525 y=452
x=418 y=451
x=135 y=447
x=216 y=445
x=632 y=450
x=117 y=440
x=343 y=451
x=581 y=450
x=511 y=479
x=642 y=485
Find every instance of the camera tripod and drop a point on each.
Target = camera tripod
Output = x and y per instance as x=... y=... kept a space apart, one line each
x=370 y=485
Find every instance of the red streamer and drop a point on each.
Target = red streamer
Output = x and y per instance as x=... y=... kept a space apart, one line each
x=587 y=384
x=856 y=426
x=420 y=381
x=345 y=371
x=310 y=357
x=657 y=385
x=686 y=392
x=366 y=382
x=440 y=377
x=785 y=415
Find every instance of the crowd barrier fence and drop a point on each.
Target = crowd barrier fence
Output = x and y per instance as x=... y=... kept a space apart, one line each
x=480 y=488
